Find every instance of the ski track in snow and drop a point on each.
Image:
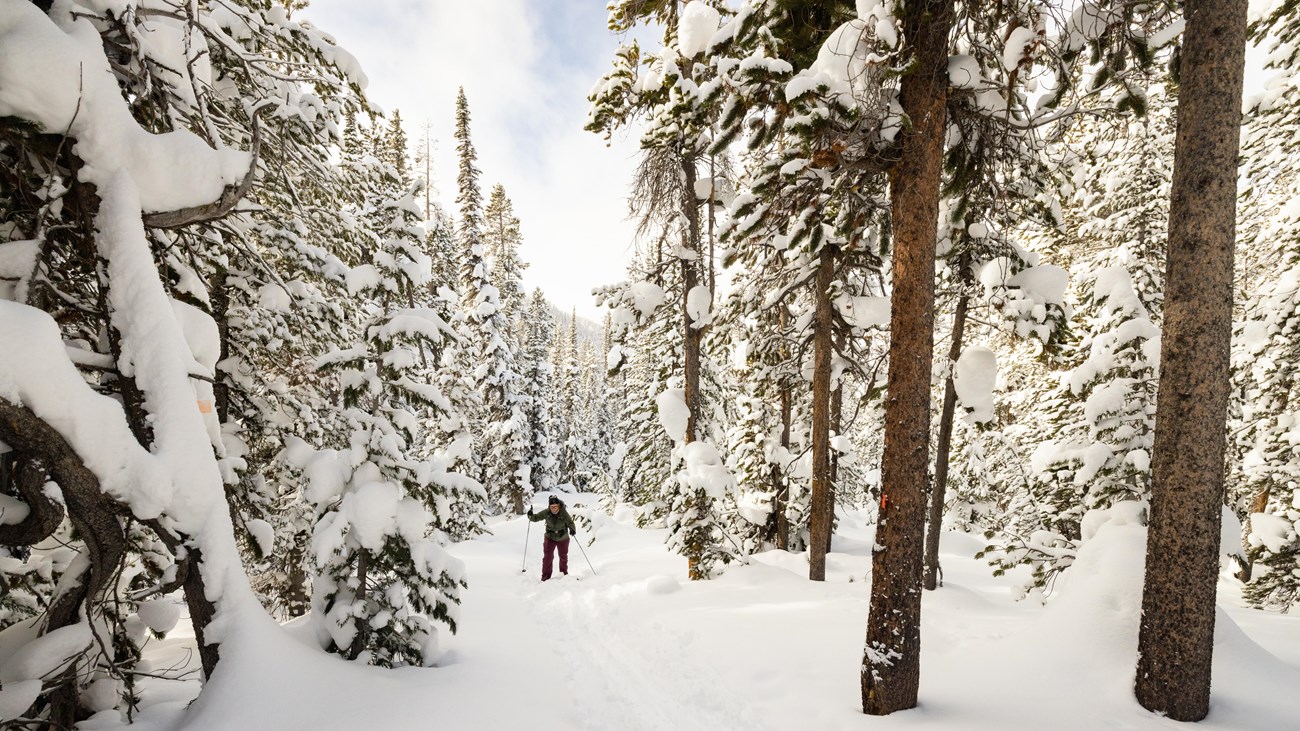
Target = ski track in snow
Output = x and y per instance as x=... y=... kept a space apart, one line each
x=647 y=684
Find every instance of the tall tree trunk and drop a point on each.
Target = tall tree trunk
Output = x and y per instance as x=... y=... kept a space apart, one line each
x=202 y=612
x=362 y=635
x=891 y=666
x=837 y=428
x=778 y=475
x=691 y=345
x=690 y=263
x=821 y=511
x=938 y=492
x=297 y=598
x=1176 y=638
x=220 y=298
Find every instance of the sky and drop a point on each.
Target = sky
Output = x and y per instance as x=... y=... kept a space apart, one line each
x=527 y=66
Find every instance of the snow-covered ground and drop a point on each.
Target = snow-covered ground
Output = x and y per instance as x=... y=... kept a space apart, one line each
x=635 y=646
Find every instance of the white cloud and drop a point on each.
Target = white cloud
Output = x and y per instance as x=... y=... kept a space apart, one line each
x=526 y=66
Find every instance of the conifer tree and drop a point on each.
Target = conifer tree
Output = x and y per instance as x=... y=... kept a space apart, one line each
x=537 y=371
x=501 y=241
x=242 y=289
x=392 y=146
x=382 y=580
x=671 y=193
x=569 y=402
x=1093 y=446
x=490 y=355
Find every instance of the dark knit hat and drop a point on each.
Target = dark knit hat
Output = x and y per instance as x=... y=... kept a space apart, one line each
x=553 y=501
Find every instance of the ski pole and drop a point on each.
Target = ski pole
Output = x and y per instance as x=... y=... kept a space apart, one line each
x=584 y=555
x=523 y=568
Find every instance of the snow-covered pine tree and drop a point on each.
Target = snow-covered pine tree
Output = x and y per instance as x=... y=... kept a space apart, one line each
x=615 y=398
x=569 y=399
x=595 y=420
x=643 y=354
x=1092 y=442
x=391 y=146
x=382 y=578
x=677 y=93
x=537 y=373
x=490 y=347
x=443 y=251
x=231 y=300
x=501 y=242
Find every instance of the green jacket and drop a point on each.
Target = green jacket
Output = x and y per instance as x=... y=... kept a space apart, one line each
x=558 y=526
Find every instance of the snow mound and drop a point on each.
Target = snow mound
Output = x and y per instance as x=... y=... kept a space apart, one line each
x=662 y=584
x=1083 y=649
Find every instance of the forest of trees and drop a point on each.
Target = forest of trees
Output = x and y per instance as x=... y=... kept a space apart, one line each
x=996 y=269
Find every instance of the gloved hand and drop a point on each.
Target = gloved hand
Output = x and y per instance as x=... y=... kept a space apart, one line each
x=573 y=532
x=530 y=512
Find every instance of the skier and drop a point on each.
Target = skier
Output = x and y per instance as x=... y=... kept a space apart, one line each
x=559 y=526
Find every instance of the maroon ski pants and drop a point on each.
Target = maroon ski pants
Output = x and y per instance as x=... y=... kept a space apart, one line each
x=549 y=547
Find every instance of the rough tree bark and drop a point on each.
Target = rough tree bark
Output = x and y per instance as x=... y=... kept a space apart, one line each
x=938 y=492
x=692 y=337
x=28 y=480
x=362 y=626
x=297 y=598
x=220 y=298
x=821 y=510
x=837 y=428
x=891 y=666
x=92 y=513
x=690 y=263
x=1176 y=637
x=1258 y=504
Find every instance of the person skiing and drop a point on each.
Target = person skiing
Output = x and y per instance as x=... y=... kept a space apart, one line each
x=559 y=526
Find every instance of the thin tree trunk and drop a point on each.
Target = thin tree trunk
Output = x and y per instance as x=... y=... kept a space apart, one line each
x=94 y=516
x=938 y=492
x=782 y=483
x=779 y=481
x=713 y=194
x=362 y=627
x=690 y=279
x=821 y=511
x=297 y=600
x=1176 y=637
x=837 y=428
x=691 y=346
x=202 y=612
x=891 y=666
x=221 y=314
x=1258 y=504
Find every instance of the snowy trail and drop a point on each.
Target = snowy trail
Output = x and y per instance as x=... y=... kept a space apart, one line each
x=596 y=674
x=634 y=680
x=760 y=648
